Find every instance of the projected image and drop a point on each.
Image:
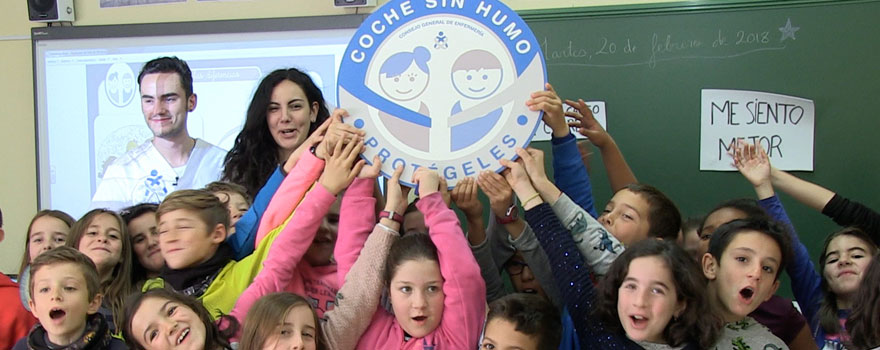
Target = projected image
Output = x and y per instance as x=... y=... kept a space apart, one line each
x=95 y=93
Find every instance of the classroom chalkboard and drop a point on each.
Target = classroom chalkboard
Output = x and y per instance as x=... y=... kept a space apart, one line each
x=649 y=65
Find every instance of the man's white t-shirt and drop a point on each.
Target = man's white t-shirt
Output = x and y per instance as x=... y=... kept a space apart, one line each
x=142 y=175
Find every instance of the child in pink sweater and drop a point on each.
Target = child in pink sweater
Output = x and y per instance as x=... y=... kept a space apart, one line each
x=433 y=283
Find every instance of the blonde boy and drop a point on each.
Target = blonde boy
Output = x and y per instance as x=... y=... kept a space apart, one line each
x=192 y=228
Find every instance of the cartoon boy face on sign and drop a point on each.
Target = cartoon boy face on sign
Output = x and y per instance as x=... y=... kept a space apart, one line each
x=476 y=74
x=404 y=75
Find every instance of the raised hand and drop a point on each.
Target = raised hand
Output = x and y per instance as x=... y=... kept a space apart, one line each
x=342 y=166
x=497 y=190
x=371 y=171
x=464 y=195
x=533 y=162
x=427 y=180
x=548 y=101
x=753 y=163
x=338 y=132
x=444 y=192
x=395 y=193
x=517 y=177
x=311 y=141
x=587 y=124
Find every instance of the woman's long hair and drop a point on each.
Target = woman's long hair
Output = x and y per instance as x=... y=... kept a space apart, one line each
x=254 y=155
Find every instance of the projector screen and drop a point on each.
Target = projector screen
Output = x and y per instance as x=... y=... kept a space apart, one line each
x=87 y=102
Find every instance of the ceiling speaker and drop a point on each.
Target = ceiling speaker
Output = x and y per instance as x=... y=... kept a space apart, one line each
x=50 y=10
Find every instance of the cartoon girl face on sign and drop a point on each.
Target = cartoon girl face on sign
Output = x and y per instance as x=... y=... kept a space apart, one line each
x=476 y=74
x=405 y=75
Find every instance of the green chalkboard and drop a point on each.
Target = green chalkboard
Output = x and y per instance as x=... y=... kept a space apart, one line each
x=649 y=65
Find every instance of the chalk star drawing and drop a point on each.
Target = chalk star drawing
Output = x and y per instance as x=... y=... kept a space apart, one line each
x=788 y=31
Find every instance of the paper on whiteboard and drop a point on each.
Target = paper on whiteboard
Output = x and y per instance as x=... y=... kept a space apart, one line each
x=782 y=124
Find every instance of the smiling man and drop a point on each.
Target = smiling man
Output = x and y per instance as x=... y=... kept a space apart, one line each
x=172 y=159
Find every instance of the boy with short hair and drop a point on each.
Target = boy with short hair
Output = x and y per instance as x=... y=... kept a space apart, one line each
x=522 y=321
x=743 y=265
x=192 y=228
x=234 y=196
x=64 y=297
x=243 y=219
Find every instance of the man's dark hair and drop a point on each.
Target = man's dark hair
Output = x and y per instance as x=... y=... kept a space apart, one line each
x=169 y=65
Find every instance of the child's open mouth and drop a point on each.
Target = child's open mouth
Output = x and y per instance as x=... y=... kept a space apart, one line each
x=639 y=322
x=747 y=293
x=57 y=314
x=420 y=319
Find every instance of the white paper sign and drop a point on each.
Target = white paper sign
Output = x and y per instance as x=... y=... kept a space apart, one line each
x=782 y=124
x=544 y=133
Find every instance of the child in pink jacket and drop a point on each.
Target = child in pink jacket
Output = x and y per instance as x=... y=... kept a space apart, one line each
x=433 y=282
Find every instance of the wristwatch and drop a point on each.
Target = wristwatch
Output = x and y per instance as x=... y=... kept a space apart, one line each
x=392 y=216
x=510 y=216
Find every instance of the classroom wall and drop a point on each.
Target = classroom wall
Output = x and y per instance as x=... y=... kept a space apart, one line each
x=18 y=185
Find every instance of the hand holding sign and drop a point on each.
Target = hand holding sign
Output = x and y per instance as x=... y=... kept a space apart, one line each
x=338 y=131
x=395 y=193
x=587 y=124
x=497 y=190
x=518 y=179
x=549 y=102
x=464 y=195
x=373 y=170
x=533 y=161
x=342 y=166
x=428 y=181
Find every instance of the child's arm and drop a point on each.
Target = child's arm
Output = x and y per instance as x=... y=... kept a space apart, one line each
x=595 y=243
x=464 y=195
x=298 y=179
x=569 y=171
x=843 y=211
x=619 y=173
x=572 y=276
x=358 y=298
x=356 y=219
x=465 y=302
x=483 y=253
x=753 y=163
x=296 y=237
x=289 y=194
x=287 y=250
x=243 y=241
x=515 y=234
